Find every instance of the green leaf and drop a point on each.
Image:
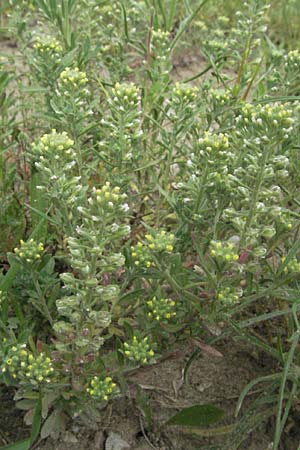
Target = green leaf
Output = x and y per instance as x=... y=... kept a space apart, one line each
x=172 y=12
x=26 y=404
x=197 y=416
x=144 y=404
x=161 y=8
x=36 y=422
x=66 y=61
x=125 y=22
x=38 y=201
x=51 y=424
x=38 y=231
x=20 y=445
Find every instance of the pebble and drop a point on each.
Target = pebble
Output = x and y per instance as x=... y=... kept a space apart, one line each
x=115 y=442
x=70 y=438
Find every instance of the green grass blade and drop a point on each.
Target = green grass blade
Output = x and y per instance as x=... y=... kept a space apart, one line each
x=186 y=23
x=36 y=422
x=280 y=421
x=125 y=21
x=20 y=445
x=171 y=16
x=250 y=385
x=291 y=254
x=161 y=8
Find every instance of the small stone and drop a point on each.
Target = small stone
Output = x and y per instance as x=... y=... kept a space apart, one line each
x=70 y=438
x=115 y=442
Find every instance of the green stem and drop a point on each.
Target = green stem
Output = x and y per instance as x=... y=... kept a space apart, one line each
x=260 y=179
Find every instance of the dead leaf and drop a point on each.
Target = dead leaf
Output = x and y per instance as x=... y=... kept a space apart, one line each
x=208 y=349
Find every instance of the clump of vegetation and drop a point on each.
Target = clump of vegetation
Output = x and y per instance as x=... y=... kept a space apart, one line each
x=113 y=176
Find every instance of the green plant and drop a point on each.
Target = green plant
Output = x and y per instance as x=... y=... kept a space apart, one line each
x=153 y=207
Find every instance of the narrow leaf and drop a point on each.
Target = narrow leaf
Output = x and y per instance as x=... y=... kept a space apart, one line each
x=196 y=416
x=20 y=445
x=185 y=24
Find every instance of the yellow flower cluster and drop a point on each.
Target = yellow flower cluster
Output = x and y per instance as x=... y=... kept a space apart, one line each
x=102 y=389
x=73 y=78
x=54 y=143
x=275 y=115
x=155 y=242
x=48 y=47
x=293 y=59
x=38 y=368
x=229 y=296
x=109 y=197
x=161 y=242
x=292 y=266
x=126 y=93
x=139 y=350
x=29 y=251
x=214 y=143
x=22 y=364
x=184 y=93
x=72 y=83
x=224 y=251
x=220 y=98
x=161 y=309
x=160 y=38
x=141 y=255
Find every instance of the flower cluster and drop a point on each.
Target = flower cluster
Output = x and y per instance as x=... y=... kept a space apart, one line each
x=124 y=122
x=141 y=255
x=108 y=198
x=16 y=356
x=54 y=144
x=283 y=218
x=267 y=118
x=216 y=46
x=29 y=251
x=139 y=350
x=161 y=309
x=48 y=47
x=213 y=151
x=183 y=104
x=72 y=83
x=229 y=296
x=160 y=40
x=102 y=389
x=211 y=144
x=161 y=241
x=184 y=94
x=73 y=78
x=38 y=369
x=154 y=242
x=59 y=165
x=292 y=59
x=125 y=95
x=47 y=55
x=160 y=50
x=22 y=364
x=220 y=98
x=223 y=251
x=293 y=266
x=92 y=246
